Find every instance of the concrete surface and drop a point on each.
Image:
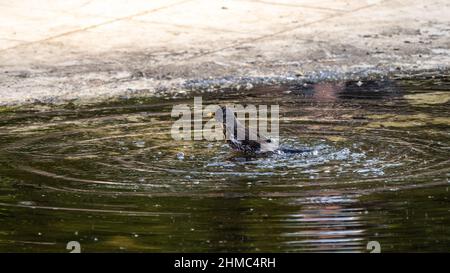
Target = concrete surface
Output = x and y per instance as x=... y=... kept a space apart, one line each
x=90 y=50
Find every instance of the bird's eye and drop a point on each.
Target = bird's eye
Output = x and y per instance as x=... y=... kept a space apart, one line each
x=269 y=141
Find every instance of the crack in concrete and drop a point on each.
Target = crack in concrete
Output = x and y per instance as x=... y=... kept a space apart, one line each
x=97 y=25
x=295 y=5
x=262 y=37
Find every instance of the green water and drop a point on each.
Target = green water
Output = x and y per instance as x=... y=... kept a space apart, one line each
x=111 y=177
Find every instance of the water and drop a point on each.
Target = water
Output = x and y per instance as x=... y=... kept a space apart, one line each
x=110 y=176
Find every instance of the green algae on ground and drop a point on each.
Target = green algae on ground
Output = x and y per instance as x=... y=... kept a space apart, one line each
x=6 y=109
x=439 y=97
x=336 y=138
x=403 y=121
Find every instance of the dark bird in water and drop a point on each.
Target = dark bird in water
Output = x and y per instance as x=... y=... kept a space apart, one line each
x=253 y=142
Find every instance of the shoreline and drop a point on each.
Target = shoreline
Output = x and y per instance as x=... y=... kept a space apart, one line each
x=180 y=87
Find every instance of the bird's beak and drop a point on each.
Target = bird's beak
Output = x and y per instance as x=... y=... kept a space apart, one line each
x=210 y=114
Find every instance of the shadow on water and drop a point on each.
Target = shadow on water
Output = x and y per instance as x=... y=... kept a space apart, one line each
x=111 y=177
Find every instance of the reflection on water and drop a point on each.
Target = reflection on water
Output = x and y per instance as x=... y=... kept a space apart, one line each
x=111 y=177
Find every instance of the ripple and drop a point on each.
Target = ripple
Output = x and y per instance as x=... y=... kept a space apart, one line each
x=361 y=144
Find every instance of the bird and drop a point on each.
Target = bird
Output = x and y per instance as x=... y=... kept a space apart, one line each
x=253 y=141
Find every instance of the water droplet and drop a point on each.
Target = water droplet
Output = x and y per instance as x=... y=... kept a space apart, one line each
x=139 y=144
x=180 y=156
x=27 y=203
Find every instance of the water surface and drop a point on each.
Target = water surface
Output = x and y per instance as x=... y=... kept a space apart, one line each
x=111 y=177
